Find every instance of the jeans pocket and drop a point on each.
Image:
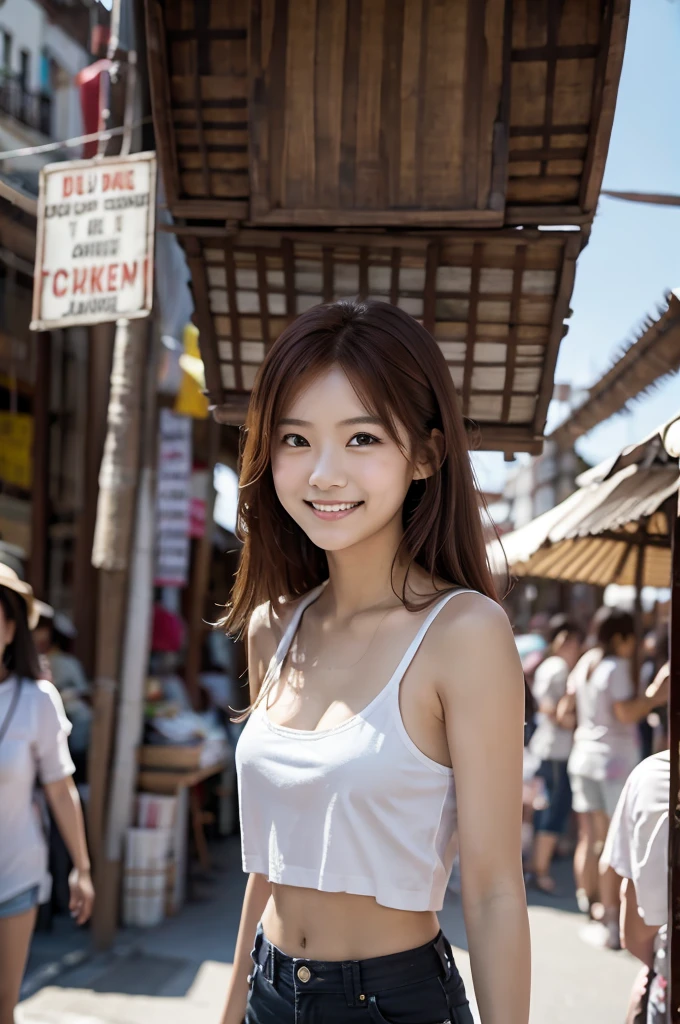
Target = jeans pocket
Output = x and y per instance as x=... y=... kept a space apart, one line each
x=411 y=1004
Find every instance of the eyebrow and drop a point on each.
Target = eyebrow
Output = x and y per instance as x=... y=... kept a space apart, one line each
x=352 y=422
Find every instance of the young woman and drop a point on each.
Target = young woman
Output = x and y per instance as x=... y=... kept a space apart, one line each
x=381 y=668
x=552 y=743
x=606 y=748
x=33 y=745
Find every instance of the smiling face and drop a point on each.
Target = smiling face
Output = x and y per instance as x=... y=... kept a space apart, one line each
x=336 y=470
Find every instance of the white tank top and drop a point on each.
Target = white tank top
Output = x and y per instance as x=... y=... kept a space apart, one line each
x=358 y=808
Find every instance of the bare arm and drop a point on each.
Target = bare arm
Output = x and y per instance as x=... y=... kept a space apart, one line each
x=261 y=645
x=636 y=936
x=62 y=796
x=258 y=891
x=655 y=696
x=482 y=692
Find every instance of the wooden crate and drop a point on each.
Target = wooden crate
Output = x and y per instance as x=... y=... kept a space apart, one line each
x=170 y=757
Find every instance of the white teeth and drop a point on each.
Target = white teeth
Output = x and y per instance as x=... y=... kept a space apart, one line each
x=334 y=508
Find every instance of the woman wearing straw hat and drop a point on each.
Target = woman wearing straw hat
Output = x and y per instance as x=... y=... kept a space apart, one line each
x=33 y=746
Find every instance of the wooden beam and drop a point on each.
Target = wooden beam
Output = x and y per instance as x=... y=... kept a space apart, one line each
x=557 y=328
x=40 y=500
x=263 y=296
x=161 y=102
x=430 y=289
x=476 y=271
x=511 y=349
x=203 y=319
x=230 y=267
x=614 y=29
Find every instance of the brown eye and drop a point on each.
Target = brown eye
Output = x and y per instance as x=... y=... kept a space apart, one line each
x=295 y=441
x=364 y=440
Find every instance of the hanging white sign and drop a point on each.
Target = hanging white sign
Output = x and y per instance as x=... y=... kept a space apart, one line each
x=94 y=251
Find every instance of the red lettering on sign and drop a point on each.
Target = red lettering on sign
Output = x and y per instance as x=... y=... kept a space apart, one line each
x=79 y=280
x=119 y=181
x=129 y=274
x=96 y=274
x=112 y=277
x=67 y=186
x=59 y=291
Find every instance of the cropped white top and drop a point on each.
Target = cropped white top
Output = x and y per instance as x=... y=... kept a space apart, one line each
x=358 y=808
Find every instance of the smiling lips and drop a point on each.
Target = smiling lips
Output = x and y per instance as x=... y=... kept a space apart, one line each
x=336 y=510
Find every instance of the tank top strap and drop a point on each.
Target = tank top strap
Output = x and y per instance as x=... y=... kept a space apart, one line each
x=292 y=628
x=403 y=665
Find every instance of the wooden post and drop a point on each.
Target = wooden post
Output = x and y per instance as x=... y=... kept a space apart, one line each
x=201 y=573
x=99 y=356
x=637 y=610
x=41 y=466
x=113 y=533
x=674 y=809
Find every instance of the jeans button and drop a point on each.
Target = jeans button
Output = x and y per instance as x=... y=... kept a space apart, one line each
x=304 y=973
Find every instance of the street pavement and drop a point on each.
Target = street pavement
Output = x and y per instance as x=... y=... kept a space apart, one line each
x=178 y=972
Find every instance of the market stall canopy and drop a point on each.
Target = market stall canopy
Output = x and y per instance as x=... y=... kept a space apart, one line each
x=404 y=151
x=652 y=357
x=615 y=529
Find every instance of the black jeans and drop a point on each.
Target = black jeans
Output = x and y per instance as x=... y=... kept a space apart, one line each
x=419 y=986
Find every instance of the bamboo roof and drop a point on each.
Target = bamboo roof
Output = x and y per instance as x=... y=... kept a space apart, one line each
x=645 y=362
x=616 y=528
x=317 y=149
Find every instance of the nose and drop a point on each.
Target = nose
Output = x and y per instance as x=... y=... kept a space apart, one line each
x=328 y=470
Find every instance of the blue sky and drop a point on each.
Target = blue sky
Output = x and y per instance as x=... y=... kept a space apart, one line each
x=633 y=256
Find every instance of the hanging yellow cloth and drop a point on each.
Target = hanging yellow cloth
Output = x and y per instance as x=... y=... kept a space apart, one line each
x=190 y=399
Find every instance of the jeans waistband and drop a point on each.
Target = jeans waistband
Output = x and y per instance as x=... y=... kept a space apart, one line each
x=356 y=978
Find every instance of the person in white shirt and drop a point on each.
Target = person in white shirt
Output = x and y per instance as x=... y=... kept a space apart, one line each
x=637 y=851
x=552 y=744
x=606 y=749
x=33 y=746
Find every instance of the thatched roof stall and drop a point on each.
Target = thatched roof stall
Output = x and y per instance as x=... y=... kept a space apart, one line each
x=616 y=528
x=406 y=151
x=652 y=357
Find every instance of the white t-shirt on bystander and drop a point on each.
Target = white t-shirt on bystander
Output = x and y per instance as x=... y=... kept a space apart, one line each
x=604 y=748
x=34 y=747
x=637 y=841
x=550 y=741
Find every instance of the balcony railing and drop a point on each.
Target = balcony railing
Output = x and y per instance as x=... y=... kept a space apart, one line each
x=31 y=108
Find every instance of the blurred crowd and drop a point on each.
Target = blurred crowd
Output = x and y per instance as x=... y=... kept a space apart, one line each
x=597 y=782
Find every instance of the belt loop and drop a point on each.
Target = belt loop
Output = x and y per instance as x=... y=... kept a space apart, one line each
x=351 y=979
x=257 y=945
x=445 y=954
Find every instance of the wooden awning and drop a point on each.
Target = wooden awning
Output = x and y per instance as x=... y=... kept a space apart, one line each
x=357 y=147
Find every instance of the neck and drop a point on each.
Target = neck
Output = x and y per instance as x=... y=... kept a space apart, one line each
x=362 y=577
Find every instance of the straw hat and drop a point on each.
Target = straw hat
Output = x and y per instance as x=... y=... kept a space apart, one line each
x=10 y=580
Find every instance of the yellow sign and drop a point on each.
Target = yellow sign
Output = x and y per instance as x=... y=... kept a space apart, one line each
x=16 y=449
x=190 y=400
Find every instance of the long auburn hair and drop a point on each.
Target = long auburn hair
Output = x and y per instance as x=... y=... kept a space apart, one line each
x=399 y=373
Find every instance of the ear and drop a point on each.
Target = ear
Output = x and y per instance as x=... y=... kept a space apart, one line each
x=431 y=456
x=10 y=631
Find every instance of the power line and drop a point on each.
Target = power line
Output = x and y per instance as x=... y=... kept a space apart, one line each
x=50 y=147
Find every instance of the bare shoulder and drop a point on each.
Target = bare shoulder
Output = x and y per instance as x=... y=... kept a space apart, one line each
x=267 y=625
x=473 y=643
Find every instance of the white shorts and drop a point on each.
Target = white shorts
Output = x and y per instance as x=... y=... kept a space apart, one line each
x=595 y=794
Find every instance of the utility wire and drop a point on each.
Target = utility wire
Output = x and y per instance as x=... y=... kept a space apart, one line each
x=49 y=147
